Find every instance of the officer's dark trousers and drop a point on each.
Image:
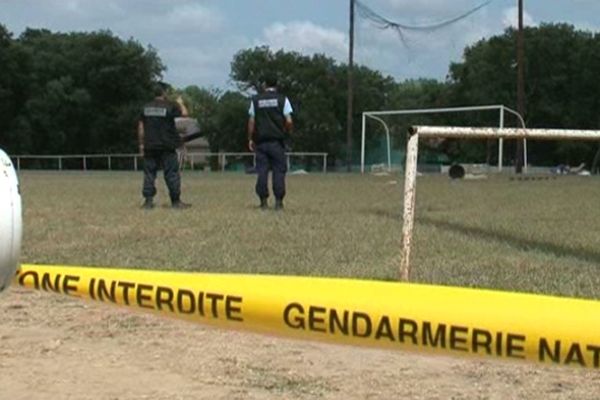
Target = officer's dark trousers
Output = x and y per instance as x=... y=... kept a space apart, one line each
x=270 y=155
x=167 y=160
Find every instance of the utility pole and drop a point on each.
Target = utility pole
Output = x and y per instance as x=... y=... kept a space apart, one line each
x=520 y=87
x=350 y=91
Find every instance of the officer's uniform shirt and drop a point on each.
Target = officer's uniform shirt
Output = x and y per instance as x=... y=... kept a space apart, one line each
x=287 y=107
x=160 y=132
x=269 y=120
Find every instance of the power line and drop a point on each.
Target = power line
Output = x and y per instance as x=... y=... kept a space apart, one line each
x=384 y=23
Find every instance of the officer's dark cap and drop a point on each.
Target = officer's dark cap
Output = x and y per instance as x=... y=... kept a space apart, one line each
x=270 y=80
x=161 y=88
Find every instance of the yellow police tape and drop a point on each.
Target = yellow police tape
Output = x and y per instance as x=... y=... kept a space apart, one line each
x=423 y=318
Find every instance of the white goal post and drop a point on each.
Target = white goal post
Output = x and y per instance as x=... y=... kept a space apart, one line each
x=376 y=115
x=412 y=153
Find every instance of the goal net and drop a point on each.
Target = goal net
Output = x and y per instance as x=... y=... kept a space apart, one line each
x=374 y=123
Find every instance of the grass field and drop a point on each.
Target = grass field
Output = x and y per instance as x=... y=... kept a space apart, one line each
x=534 y=236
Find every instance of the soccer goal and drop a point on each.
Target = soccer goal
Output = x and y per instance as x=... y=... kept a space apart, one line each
x=453 y=132
x=378 y=116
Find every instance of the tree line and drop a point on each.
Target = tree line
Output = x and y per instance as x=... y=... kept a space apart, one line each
x=80 y=93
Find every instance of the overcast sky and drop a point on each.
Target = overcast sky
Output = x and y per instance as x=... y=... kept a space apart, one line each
x=197 y=39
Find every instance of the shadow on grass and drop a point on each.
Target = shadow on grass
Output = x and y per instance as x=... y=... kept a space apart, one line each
x=385 y=213
x=517 y=242
x=514 y=241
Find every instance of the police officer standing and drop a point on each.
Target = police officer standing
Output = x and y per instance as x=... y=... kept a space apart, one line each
x=158 y=140
x=270 y=118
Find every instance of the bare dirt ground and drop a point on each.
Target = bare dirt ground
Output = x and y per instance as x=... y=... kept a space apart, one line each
x=54 y=347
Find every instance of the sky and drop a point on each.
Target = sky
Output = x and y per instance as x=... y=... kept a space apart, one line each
x=197 y=39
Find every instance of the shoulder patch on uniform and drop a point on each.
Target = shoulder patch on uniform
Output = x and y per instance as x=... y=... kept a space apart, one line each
x=155 y=112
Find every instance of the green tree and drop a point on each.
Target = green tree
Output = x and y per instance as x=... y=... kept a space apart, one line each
x=13 y=92
x=203 y=104
x=79 y=93
x=232 y=115
x=316 y=86
x=561 y=86
x=221 y=116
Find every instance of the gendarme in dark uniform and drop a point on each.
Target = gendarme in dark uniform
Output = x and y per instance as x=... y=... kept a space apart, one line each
x=270 y=119
x=158 y=139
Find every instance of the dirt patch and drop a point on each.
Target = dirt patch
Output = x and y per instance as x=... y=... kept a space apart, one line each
x=58 y=348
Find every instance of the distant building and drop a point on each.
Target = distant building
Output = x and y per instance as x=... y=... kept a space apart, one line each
x=190 y=126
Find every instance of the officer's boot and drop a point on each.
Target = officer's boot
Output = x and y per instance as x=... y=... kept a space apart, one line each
x=148 y=204
x=180 y=205
x=263 y=203
x=278 y=204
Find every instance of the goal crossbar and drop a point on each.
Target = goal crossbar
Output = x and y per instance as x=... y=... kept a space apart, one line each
x=503 y=133
x=412 y=150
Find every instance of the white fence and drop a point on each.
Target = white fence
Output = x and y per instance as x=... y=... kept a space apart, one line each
x=194 y=161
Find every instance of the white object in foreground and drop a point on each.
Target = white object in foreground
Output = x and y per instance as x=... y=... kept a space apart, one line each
x=10 y=221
